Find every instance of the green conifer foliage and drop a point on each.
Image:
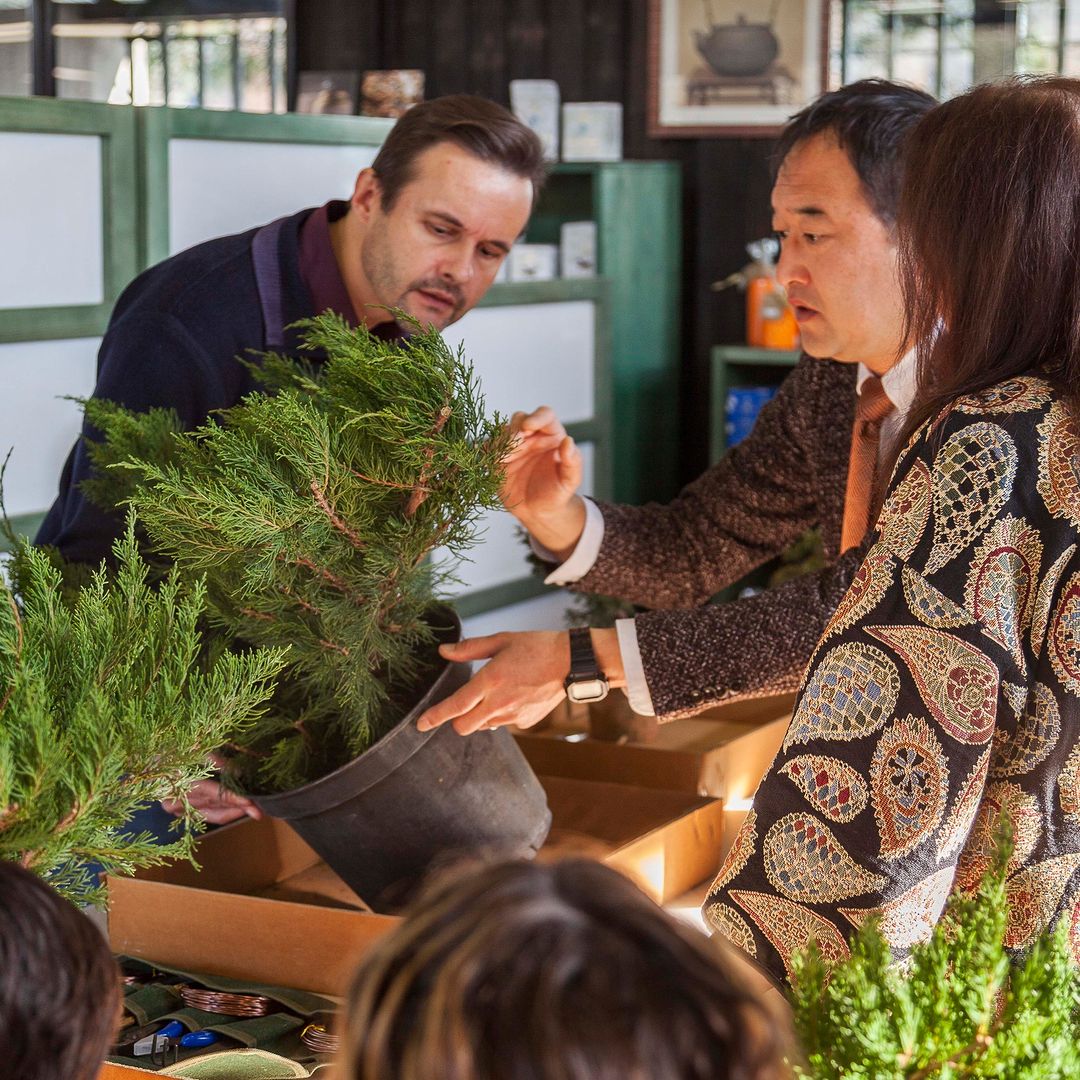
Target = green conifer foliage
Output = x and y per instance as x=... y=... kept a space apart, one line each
x=102 y=708
x=310 y=511
x=958 y=1008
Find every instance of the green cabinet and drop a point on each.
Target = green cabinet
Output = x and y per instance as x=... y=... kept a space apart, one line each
x=740 y=366
x=637 y=207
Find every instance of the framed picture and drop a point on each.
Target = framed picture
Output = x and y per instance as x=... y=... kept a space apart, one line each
x=733 y=67
x=327 y=92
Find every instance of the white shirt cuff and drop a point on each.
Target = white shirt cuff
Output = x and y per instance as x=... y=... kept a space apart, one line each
x=637 y=690
x=583 y=557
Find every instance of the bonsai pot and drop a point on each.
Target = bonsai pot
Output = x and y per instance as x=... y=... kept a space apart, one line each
x=419 y=799
x=738 y=49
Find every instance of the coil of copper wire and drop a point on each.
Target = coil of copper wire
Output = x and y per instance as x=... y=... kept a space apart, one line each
x=316 y=1037
x=217 y=1001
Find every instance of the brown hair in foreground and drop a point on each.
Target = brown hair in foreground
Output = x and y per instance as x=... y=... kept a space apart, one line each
x=481 y=127
x=59 y=985
x=565 y=971
x=988 y=230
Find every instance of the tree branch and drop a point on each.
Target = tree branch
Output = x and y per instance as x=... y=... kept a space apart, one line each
x=421 y=491
x=350 y=534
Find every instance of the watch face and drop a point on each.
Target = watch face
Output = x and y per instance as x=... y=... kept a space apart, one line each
x=587 y=690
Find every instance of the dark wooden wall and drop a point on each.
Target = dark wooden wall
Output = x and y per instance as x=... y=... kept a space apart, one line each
x=596 y=51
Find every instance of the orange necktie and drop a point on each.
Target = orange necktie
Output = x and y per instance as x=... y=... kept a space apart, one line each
x=871 y=408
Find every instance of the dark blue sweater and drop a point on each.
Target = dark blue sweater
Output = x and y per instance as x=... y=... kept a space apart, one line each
x=173 y=342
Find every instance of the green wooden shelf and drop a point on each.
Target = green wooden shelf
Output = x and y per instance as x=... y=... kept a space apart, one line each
x=740 y=366
x=637 y=209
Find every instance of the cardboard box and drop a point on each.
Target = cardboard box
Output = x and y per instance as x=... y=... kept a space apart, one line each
x=722 y=752
x=263 y=907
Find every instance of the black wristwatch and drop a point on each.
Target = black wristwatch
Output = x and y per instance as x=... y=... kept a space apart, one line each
x=586 y=682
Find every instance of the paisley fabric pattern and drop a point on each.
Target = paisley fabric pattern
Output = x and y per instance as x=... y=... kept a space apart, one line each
x=1065 y=636
x=910 y=918
x=1044 y=598
x=908 y=784
x=1034 y=895
x=905 y=513
x=852 y=692
x=804 y=861
x=973 y=479
x=929 y=605
x=965 y=806
x=1038 y=728
x=790 y=927
x=740 y=850
x=957 y=683
x=1024 y=394
x=868 y=587
x=947 y=694
x=732 y=926
x=1059 y=464
x=1022 y=811
x=1000 y=590
x=832 y=787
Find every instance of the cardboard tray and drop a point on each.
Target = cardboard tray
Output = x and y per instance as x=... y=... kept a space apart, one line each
x=722 y=752
x=263 y=907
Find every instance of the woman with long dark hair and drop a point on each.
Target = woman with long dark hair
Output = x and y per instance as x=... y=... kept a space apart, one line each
x=946 y=689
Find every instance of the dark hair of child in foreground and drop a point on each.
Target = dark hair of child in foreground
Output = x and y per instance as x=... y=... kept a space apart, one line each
x=521 y=970
x=59 y=985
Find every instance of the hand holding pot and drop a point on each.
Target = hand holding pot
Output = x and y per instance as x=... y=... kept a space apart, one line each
x=543 y=473
x=522 y=681
x=213 y=802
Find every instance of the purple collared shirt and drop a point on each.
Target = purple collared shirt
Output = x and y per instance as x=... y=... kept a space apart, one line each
x=320 y=272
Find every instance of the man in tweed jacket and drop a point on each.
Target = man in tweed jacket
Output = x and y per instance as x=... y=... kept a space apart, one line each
x=833 y=207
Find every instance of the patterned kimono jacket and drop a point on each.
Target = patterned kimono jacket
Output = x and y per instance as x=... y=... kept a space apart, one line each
x=945 y=690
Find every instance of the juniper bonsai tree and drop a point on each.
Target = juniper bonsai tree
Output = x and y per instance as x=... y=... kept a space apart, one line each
x=958 y=1008
x=310 y=510
x=103 y=707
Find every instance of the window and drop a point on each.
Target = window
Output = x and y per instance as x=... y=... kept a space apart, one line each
x=945 y=46
x=214 y=54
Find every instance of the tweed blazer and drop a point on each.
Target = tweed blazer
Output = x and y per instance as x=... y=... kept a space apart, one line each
x=945 y=691
x=789 y=475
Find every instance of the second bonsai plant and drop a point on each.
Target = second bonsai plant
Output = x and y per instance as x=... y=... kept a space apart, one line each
x=311 y=510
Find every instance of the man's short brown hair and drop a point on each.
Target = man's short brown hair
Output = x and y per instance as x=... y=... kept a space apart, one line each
x=480 y=127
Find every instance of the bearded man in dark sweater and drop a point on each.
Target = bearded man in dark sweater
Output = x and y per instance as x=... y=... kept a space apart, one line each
x=425 y=231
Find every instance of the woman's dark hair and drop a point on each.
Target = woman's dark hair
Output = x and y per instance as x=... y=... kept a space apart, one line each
x=480 y=127
x=870 y=119
x=520 y=971
x=989 y=241
x=59 y=985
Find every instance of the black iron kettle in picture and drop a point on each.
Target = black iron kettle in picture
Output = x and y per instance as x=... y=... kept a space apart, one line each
x=739 y=49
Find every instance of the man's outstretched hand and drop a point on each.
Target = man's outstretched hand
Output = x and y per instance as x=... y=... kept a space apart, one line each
x=522 y=681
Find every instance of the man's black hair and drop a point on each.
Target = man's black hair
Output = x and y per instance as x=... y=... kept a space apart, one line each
x=870 y=119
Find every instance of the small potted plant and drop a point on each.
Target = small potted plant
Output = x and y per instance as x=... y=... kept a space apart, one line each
x=311 y=510
x=958 y=1007
x=103 y=708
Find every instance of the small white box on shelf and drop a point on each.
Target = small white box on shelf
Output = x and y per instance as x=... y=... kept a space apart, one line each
x=577 y=249
x=592 y=131
x=533 y=262
x=535 y=102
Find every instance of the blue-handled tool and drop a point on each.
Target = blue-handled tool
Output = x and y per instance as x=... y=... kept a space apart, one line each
x=199 y=1038
x=172 y=1030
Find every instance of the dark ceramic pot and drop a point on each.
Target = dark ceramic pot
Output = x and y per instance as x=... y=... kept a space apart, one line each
x=417 y=799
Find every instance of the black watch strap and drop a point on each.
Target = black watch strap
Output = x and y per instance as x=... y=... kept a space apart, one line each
x=583 y=663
